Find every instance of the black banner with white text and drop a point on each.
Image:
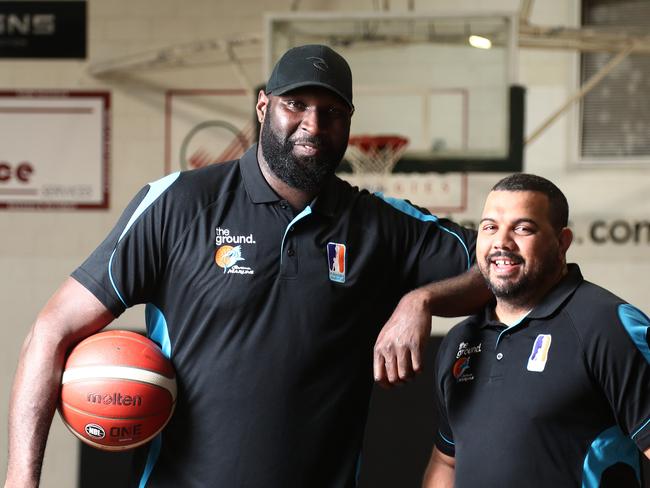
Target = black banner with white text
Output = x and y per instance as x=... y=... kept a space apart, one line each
x=51 y=29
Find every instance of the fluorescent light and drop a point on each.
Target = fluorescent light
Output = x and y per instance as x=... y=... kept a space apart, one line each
x=480 y=42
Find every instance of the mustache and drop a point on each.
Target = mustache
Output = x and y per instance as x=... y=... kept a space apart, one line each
x=315 y=141
x=505 y=254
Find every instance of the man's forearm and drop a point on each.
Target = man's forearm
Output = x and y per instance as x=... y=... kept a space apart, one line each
x=33 y=402
x=399 y=346
x=461 y=295
x=70 y=315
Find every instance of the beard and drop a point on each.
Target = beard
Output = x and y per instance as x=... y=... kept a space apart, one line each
x=519 y=290
x=305 y=173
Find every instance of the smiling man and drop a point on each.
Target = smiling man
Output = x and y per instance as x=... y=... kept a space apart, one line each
x=266 y=281
x=550 y=385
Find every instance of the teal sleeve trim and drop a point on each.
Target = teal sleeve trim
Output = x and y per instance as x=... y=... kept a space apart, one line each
x=405 y=207
x=110 y=276
x=647 y=422
x=158 y=332
x=609 y=448
x=636 y=324
x=156 y=189
x=451 y=443
x=152 y=457
x=157 y=329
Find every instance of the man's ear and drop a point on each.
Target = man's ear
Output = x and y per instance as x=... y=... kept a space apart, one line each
x=261 y=106
x=565 y=238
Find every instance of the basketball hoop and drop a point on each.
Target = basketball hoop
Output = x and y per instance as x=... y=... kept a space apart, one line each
x=375 y=154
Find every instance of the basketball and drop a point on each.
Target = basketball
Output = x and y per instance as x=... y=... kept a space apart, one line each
x=118 y=390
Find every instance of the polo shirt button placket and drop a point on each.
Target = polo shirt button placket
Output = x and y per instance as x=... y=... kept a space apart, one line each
x=496 y=363
x=289 y=266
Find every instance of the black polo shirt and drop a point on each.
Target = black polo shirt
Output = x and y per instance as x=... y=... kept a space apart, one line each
x=269 y=317
x=560 y=399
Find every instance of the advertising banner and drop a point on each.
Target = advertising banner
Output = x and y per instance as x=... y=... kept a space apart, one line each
x=43 y=29
x=54 y=149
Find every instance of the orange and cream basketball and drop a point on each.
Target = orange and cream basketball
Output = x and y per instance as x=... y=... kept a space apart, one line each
x=118 y=390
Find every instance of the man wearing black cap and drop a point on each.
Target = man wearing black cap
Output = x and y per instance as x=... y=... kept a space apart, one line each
x=267 y=281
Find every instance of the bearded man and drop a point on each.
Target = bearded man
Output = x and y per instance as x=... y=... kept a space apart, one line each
x=267 y=282
x=548 y=386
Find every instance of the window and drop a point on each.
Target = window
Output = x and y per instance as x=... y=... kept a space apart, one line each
x=615 y=115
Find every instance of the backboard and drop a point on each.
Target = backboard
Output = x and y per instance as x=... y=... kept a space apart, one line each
x=416 y=75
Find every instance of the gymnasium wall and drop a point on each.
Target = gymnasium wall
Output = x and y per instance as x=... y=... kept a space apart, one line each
x=39 y=248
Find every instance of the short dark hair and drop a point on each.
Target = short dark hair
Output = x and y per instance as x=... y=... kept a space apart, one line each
x=558 y=205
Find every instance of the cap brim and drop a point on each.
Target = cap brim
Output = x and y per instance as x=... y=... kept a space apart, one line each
x=293 y=86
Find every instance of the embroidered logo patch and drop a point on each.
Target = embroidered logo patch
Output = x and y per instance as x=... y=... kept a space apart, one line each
x=460 y=369
x=539 y=354
x=465 y=349
x=227 y=258
x=224 y=236
x=229 y=251
x=336 y=261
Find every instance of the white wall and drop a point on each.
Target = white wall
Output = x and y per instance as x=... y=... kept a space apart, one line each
x=618 y=196
x=38 y=249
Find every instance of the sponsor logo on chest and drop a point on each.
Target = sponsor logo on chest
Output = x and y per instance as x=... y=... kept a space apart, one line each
x=461 y=369
x=539 y=353
x=231 y=251
x=336 y=261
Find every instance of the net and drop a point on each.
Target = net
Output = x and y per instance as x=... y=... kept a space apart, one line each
x=375 y=154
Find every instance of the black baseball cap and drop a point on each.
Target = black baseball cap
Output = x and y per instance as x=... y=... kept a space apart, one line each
x=312 y=65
